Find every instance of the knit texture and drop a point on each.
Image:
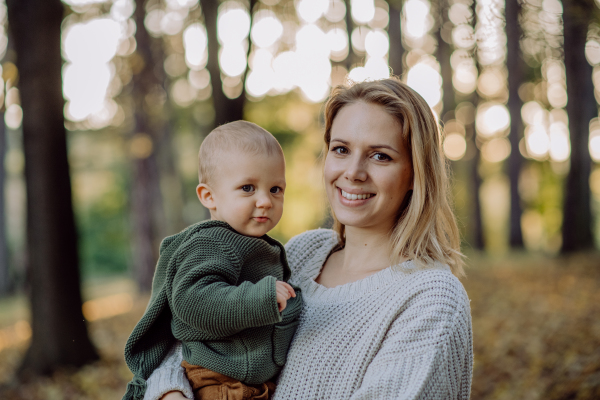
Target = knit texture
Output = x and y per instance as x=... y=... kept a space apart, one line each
x=214 y=290
x=402 y=333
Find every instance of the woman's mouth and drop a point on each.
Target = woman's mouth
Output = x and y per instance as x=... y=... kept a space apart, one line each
x=351 y=196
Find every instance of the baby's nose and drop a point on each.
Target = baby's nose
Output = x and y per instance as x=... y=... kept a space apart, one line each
x=263 y=201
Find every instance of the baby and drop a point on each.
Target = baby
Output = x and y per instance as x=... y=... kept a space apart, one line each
x=219 y=286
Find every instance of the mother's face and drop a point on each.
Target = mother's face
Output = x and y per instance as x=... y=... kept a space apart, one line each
x=368 y=168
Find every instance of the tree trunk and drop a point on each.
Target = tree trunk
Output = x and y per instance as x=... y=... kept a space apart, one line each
x=478 y=232
x=146 y=197
x=351 y=59
x=395 y=35
x=478 y=235
x=516 y=76
x=59 y=333
x=581 y=108
x=5 y=282
x=226 y=109
x=444 y=52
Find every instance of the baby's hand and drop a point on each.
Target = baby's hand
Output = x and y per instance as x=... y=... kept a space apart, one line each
x=284 y=292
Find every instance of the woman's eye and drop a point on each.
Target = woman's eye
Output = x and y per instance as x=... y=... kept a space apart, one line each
x=340 y=150
x=381 y=157
x=248 y=188
x=275 y=189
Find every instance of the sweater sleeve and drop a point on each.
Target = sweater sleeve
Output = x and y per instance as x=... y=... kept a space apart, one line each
x=169 y=376
x=427 y=354
x=205 y=295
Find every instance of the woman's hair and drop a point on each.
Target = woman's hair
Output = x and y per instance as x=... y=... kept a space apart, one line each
x=425 y=230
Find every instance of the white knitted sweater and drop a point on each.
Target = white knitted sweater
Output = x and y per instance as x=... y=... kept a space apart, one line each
x=402 y=333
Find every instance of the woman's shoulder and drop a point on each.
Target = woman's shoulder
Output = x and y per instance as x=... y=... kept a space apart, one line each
x=312 y=240
x=310 y=245
x=436 y=284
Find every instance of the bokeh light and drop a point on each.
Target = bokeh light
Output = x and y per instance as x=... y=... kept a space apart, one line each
x=537 y=141
x=496 y=150
x=233 y=23
x=455 y=146
x=311 y=10
x=426 y=81
x=89 y=74
x=560 y=146
x=195 y=42
x=377 y=43
x=594 y=143
x=232 y=59
x=362 y=10
x=267 y=28
x=417 y=19
x=336 y=11
x=492 y=118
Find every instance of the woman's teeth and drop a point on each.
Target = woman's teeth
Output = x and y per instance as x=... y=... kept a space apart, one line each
x=356 y=196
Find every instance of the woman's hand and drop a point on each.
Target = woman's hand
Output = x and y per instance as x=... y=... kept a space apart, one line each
x=174 y=395
x=284 y=292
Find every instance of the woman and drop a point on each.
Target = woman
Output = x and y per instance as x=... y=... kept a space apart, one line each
x=384 y=315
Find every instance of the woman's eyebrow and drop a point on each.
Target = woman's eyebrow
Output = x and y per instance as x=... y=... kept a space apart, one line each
x=340 y=140
x=383 y=146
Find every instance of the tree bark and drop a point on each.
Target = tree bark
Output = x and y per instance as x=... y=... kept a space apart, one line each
x=444 y=52
x=478 y=235
x=516 y=76
x=581 y=108
x=478 y=232
x=395 y=36
x=59 y=333
x=5 y=282
x=226 y=109
x=146 y=197
x=351 y=59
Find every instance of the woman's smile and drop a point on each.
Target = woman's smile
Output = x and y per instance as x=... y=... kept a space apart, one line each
x=354 y=198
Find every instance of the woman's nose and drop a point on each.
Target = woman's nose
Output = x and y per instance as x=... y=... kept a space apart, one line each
x=356 y=170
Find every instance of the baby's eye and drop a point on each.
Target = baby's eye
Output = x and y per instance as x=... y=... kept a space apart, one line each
x=248 y=188
x=276 y=189
x=340 y=150
x=381 y=157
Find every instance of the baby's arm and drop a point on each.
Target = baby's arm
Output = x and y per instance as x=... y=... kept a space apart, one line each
x=206 y=295
x=169 y=377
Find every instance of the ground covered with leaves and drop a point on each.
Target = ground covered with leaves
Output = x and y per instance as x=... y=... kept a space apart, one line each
x=536 y=326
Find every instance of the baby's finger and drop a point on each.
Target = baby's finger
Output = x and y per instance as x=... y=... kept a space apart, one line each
x=289 y=288
x=283 y=293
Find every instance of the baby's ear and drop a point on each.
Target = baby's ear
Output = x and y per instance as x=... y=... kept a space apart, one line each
x=205 y=195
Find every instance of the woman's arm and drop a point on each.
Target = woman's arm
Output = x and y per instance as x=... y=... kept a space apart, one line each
x=169 y=376
x=426 y=355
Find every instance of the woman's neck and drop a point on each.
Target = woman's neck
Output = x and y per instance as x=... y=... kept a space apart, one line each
x=366 y=250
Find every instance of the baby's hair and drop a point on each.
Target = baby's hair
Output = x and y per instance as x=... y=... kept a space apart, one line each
x=238 y=135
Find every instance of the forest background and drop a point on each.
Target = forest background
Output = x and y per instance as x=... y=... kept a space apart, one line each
x=104 y=105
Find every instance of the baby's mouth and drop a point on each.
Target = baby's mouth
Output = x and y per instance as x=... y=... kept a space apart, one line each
x=362 y=196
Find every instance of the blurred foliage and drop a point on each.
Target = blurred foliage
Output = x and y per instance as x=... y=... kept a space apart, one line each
x=102 y=226
x=535 y=324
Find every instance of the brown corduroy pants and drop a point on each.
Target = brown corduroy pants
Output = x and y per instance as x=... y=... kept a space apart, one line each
x=210 y=385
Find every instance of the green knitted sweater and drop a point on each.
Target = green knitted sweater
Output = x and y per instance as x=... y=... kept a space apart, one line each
x=214 y=290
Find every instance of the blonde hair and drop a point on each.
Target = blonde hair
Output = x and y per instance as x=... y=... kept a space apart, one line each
x=238 y=135
x=426 y=229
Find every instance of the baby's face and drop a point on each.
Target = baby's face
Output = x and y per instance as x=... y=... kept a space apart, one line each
x=248 y=191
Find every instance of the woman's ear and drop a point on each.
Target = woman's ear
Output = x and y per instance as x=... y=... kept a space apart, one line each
x=205 y=195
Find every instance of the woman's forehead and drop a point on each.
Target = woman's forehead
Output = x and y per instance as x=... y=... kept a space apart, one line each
x=365 y=121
